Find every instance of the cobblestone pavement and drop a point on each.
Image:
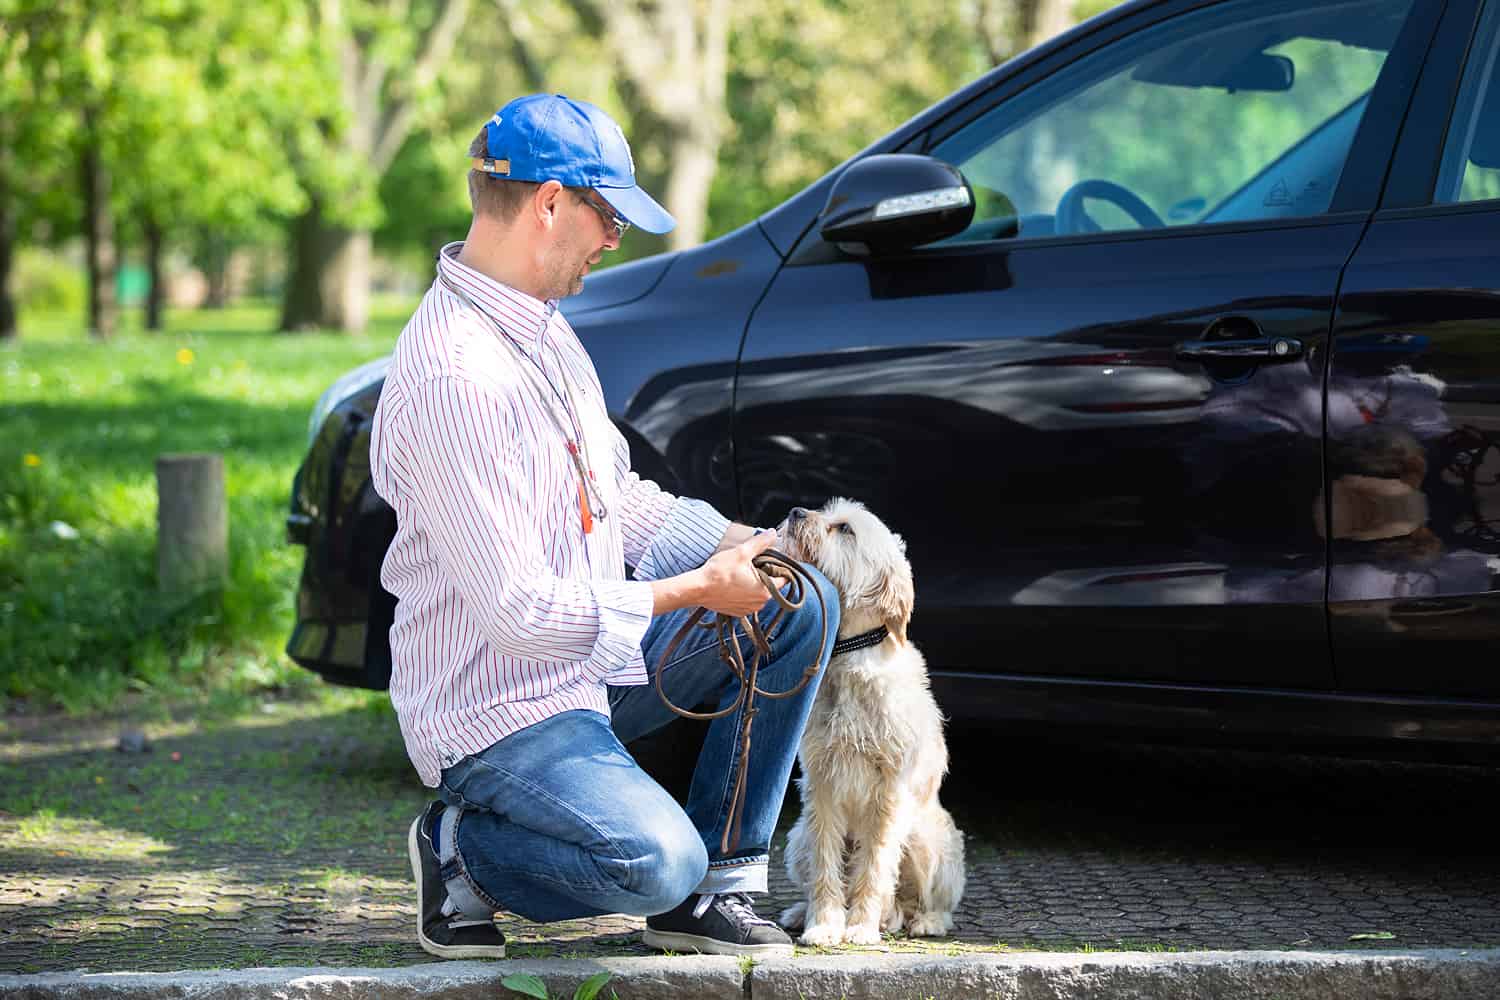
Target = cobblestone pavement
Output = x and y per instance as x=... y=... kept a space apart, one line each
x=282 y=843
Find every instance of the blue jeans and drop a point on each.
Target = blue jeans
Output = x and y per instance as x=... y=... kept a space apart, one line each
x=558 y=821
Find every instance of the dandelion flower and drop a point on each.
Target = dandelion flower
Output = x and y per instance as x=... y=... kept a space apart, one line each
x=184 y=356
x=30 y=460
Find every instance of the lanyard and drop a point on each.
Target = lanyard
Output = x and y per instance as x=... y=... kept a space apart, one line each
x=578 y=447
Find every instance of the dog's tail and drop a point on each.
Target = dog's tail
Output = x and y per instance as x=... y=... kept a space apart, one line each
x=948 y=880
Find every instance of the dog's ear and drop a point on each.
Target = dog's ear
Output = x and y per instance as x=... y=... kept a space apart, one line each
x=894 y=600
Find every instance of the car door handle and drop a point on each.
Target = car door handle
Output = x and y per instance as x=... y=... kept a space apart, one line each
x=1263 y=350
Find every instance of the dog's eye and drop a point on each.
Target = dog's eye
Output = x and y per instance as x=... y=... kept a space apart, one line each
x=847 y=529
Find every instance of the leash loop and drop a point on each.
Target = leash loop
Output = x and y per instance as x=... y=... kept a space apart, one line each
x=773 y=567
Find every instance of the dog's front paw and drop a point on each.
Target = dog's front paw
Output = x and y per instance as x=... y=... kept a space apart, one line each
x=892 y=922
x=862 y=934
x=826 y=933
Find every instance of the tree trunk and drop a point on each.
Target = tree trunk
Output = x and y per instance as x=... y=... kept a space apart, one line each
x=328 y=285
x=329 y=281
x=694 y=156
x=1040 y=20
x=155 y=295
x=211 y=256
x=7 y=247
x=99 y=233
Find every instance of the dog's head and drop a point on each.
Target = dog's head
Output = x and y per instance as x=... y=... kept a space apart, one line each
x=862 y=557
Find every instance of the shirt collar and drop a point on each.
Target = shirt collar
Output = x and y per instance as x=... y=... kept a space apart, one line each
x=523 y=316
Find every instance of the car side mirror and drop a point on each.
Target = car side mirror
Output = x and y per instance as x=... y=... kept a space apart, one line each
x=895 y=201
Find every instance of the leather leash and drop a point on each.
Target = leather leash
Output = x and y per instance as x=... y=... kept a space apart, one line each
x=769 y=564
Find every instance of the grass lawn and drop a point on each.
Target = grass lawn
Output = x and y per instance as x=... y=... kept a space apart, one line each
x=81 y=621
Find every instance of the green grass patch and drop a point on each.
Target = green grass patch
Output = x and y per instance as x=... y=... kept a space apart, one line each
x=321 y=772
x=82 y=624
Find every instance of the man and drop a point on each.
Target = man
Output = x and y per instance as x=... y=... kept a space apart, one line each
x=521 y=651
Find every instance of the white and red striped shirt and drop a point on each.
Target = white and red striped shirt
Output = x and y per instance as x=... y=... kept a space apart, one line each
x=507 y=612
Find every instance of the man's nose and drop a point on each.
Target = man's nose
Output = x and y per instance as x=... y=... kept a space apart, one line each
x=797 y=514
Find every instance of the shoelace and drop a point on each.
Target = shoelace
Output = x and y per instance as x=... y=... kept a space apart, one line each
x=737 y=903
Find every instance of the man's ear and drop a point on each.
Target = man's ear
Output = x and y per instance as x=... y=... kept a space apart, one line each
x=894 y=600
x=547 y=202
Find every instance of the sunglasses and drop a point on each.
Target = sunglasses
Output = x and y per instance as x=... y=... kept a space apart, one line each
x=611 y=218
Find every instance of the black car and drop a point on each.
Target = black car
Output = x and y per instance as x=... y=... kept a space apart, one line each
x=1172 y=347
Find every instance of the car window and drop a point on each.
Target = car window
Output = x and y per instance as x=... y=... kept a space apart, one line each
x=1471 y=157
x=1243 y=111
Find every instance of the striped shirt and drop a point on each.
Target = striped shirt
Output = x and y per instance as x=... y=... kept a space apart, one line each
x=508 y=613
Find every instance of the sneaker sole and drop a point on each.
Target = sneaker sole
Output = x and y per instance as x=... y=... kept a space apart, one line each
x=414 y=852
x=678 y=941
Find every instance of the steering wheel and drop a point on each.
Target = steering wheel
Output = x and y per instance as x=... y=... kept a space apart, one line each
x=1071 y=218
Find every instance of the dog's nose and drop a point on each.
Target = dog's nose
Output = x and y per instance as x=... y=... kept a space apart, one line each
x=797 y=514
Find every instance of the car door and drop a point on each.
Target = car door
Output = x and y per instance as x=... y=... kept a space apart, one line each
x=1414 y=395
x=1049 y=406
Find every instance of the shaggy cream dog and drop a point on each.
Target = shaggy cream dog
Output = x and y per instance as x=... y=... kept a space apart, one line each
x=873 y=850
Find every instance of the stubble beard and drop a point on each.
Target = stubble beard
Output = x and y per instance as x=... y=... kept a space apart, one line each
x=565 y=271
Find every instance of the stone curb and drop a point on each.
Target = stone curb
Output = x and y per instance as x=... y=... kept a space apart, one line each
x=1402 y=975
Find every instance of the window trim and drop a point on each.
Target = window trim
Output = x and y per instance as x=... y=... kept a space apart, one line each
x=1488 y=50
x=1412 y=178
x=816 y=252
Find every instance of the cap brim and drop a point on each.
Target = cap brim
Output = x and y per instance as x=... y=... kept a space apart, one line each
x=639 y=209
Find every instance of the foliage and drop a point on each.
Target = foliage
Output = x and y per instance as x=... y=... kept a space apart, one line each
x=532 y=986
x=209 y=113
x=813 y=83
x=223 y=123
x=44 y=281
x=188 y=105
x=34 y=137
x=81 y=622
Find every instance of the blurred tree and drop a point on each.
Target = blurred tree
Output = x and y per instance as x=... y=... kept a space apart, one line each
x=670 y=68
x=1039 y=20
x=1006 y=28
x=423 y=196
x=63 y=55
x=811 y=83
x=174 y=116
x=33 y=145
x=381 y=59
x=672 y=57
x=204 y=134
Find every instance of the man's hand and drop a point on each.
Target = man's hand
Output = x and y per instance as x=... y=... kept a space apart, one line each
x=727 y=584
x=733 y=587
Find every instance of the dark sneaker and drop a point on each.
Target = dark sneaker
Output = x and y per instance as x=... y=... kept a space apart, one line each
x=452 y=936
x=723 y=924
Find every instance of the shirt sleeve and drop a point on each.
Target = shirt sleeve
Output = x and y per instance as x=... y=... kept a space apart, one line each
x=666 y=535
x=470 y=481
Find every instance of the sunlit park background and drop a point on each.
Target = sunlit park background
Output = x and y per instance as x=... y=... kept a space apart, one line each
x=208 y=211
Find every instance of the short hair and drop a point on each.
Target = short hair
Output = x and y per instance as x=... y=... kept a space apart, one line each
x=495 y=196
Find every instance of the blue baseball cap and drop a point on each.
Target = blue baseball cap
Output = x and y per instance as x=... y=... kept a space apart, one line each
x=549 y=137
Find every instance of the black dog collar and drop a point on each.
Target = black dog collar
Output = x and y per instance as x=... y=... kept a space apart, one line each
x=864 y=640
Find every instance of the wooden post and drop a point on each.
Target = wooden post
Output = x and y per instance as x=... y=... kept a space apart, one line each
x=192 y=523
